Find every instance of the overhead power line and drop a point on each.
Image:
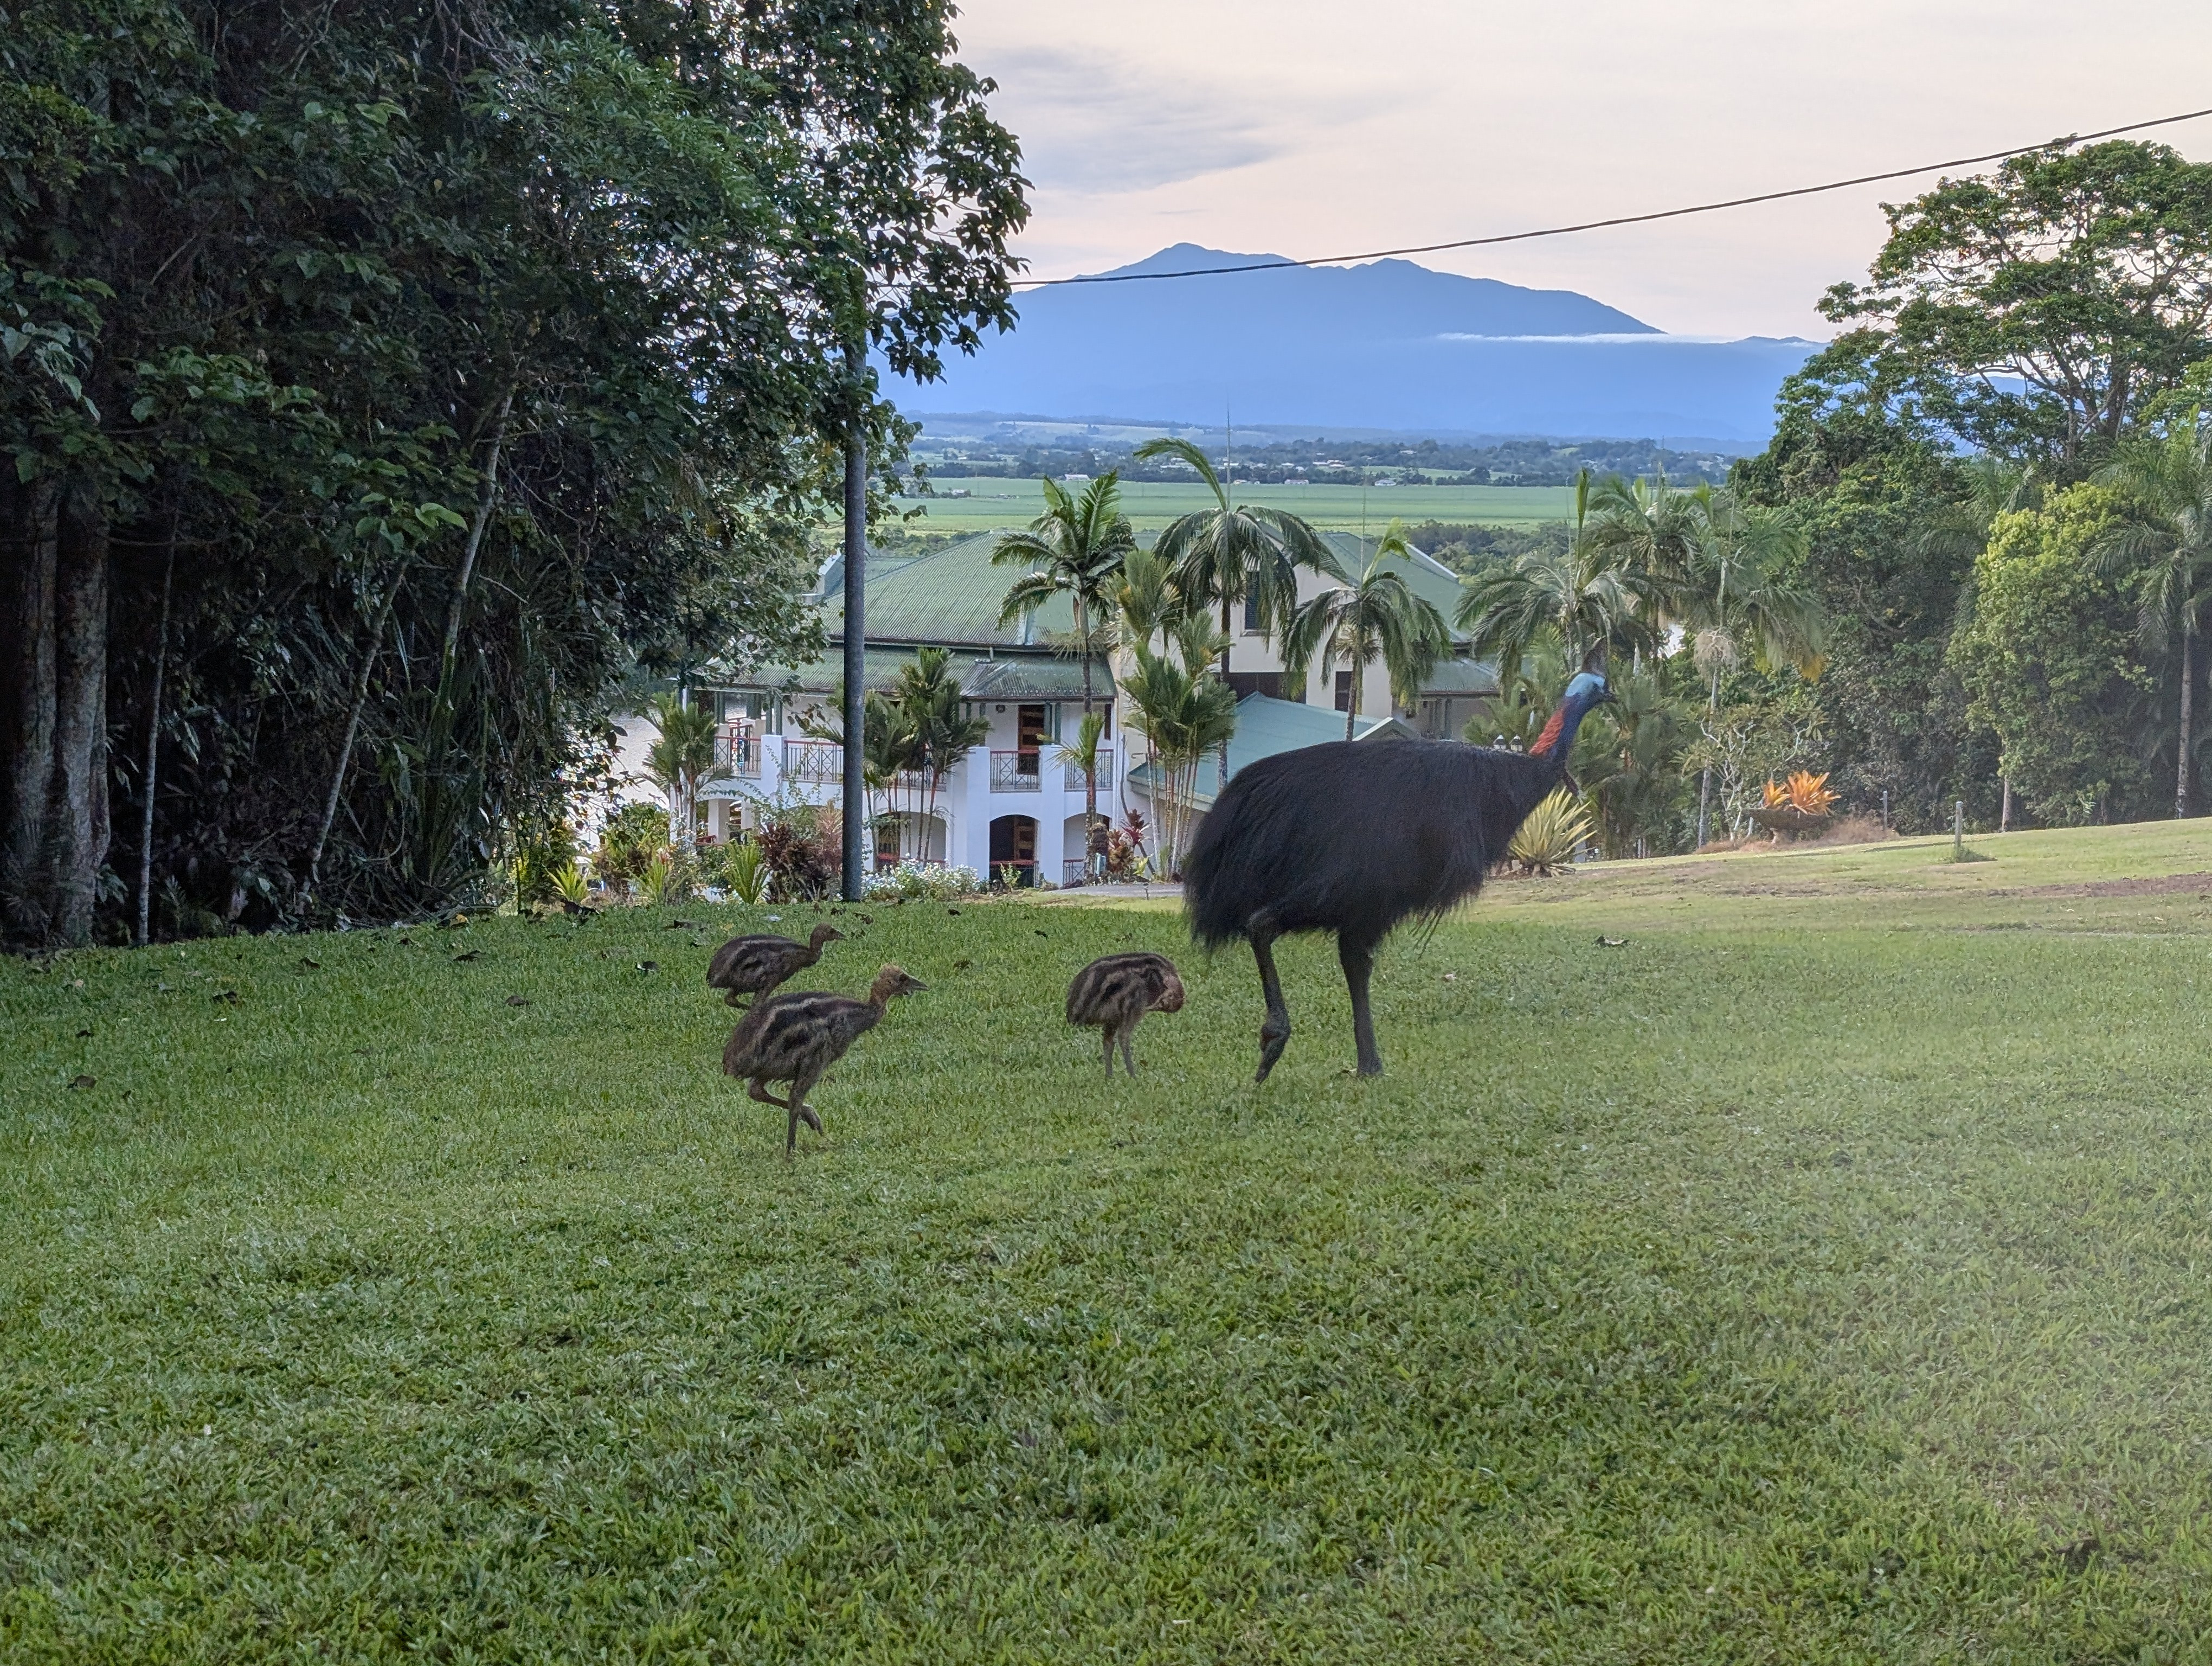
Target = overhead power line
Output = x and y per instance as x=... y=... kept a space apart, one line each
x=1620 y=220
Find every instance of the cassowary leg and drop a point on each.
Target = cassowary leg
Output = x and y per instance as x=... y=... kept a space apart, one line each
x=732 y=998
x=1275 y=1033
x=1106 y=1032
x=759 y=1091
x=802 y=1111
x=1129 y=1036
x=1359 y=960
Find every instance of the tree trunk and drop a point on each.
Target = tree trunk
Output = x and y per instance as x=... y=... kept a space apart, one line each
x=487 y=494
x=80 y=760
x=2188 y=695
x=1094 y=842
x=1351 y=706
x=1221 y=780
x=26 y=697
x=354 y=707
x=153 y=743
x=2004 y=805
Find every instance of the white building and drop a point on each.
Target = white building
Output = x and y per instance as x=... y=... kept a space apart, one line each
x=1015 y=802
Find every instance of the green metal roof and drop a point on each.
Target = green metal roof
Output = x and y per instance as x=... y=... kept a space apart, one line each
x=949 y=596
x=1266 y=727
x=1037 y=675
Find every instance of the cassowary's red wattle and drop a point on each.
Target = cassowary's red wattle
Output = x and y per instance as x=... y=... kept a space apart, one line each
x=1353 y=836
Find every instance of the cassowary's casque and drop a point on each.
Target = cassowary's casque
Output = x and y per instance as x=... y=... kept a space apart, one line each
x=1114 y=993
x=793 y=1038
x=1353 y=836
x=756 y=966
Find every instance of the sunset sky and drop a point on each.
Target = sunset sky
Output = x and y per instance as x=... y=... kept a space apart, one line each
x=1295 y=128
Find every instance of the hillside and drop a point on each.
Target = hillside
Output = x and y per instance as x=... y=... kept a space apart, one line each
x=1389 y=344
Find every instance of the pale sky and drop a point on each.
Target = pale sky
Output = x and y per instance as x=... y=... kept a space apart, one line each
x=1298 y=128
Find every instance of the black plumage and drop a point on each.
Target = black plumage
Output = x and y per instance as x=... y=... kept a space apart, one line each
x=1114 y=992
x=793 y=1038
x=1353 y=838
x=756 y=966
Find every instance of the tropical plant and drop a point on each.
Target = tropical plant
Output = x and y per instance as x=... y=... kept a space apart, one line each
x=681 y=760
x=1654 y=532
x=1552 y=835
x=1581 y=595
x=1075 y=549
x=747 y=868
x=1146 y=600
x=1083 y=753
x=2165 y=545
x=1376 y=617
x=1235 y=554
x=1803 y=792
x=662 y=880
x=571 y=885
x=1184 y=715
x=1628 y=760
x=1740 y=600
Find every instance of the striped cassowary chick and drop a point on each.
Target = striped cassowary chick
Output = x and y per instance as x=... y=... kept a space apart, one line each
x=756 y=966
x=793 y=1038
x=1115 y=994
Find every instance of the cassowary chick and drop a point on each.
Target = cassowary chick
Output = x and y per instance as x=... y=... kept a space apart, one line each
x=1115 y=992
x=756 y=965
x=793 y=1038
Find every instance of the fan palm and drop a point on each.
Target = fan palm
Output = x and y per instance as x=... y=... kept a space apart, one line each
x=1653 y=532
x=1237 y=554
x=2169 y=485
x=1376 y=617
x=1582 y=595
x=1184 y=713
x=1739 y=602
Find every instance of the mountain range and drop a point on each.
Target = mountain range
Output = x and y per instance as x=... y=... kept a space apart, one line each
x=1388 y=345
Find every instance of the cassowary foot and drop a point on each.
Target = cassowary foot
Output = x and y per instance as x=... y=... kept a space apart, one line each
x=732 y=999
x=807 y=1114
x=1272 y=1041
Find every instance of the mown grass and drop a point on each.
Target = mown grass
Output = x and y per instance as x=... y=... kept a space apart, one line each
x=996 y=505
x=1816 y=1277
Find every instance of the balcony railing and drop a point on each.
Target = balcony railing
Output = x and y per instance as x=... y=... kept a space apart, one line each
x=1017 y=771
x=1072 y=777
x=813 y=762
x=739 y=755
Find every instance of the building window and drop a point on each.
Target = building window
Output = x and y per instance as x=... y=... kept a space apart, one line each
x=1344 y=690
x=1251 y=615
x=1031 y=733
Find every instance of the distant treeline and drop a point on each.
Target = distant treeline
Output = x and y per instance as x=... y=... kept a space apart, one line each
x=1324 y=461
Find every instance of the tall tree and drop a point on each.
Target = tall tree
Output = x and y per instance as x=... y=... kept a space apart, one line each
x=2166 y=546
x=1376 y=616
x=2035 y=309
x=1075 y=549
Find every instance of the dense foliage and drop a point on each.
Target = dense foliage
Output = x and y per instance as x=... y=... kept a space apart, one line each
x=383 y=384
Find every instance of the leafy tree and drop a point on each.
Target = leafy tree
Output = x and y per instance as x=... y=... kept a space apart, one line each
x=1075 y=549
x=2166 y=545
x=1184 y=715
x=1376 y=616
x=2048 y=665
x=681 y=760
x=473 y=356
x=2085 y=273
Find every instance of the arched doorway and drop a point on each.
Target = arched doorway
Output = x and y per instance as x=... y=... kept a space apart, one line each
x=1013 y=844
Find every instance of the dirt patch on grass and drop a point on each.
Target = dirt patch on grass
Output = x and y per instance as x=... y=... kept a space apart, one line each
x=2164 y=885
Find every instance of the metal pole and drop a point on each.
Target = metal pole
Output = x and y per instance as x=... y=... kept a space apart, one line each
x=856 y=561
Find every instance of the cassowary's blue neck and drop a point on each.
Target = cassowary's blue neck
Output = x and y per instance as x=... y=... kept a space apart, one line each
x=1557 y=743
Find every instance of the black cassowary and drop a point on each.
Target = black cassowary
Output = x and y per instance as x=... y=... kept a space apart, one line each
x=1353 y=838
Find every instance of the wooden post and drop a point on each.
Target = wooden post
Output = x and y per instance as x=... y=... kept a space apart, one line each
x=1958 y=830
x=856 y=558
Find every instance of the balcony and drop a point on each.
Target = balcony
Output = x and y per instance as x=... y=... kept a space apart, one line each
x=1072 y=777
x=813 y=762
x=1017 y=771
x=739 y=756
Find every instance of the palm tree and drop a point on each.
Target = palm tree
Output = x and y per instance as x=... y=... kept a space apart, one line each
x=1075 y=549
x=1582 y=594
x=1738 y=602
x=1184 y=713
x=681 y=760
x=1146 y=600
x=1235 y=554
x=927 y=699
x=2169 y=482
x=1376 y=617
x=1652 y=530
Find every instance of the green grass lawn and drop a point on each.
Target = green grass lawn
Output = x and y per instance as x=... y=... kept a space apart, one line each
x=995 y=505
x=1820 y=1275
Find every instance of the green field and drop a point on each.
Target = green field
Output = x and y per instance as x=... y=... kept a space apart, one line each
x=996 y=504
x=1818 y=1275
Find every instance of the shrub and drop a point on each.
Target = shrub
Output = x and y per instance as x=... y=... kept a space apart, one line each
x=924 y=881
x=1554 y=832
x=803 y=856
x=632 y=838
x=539 y=856
x=570 y=885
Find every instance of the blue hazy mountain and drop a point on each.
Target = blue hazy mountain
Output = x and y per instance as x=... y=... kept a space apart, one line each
x=1385 y=345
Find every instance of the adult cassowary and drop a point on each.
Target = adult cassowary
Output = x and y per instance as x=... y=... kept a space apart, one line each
x=1351 y=837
